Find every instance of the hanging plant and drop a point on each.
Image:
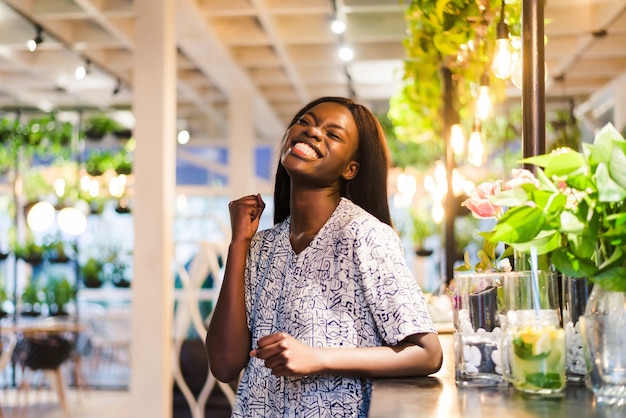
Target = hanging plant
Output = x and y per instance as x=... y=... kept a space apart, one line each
x=98 y=162
x=123 y=162
x=439 y=34
x=98 y=126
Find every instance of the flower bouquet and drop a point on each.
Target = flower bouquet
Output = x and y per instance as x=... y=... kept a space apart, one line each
x=572 y=209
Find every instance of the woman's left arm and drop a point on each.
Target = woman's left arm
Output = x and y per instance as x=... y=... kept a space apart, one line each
x=416 y=355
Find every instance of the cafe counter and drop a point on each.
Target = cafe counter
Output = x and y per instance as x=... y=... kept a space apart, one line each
x=437 y=396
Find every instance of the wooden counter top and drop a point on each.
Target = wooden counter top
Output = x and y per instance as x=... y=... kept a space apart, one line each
x=437 y=396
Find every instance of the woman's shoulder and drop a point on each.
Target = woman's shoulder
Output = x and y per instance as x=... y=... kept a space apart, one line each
x=361 y=221
x=272 y=232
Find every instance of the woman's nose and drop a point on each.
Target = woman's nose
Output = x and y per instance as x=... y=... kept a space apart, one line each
x=314 y=132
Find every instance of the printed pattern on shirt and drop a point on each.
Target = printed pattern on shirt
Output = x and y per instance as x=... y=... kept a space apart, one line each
x=349 y=288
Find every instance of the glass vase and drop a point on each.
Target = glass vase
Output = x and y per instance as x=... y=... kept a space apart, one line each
x=603 y=328
x=575 y=293
x=477 y=317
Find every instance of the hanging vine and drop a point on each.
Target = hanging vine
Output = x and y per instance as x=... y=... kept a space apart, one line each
x=460 y=35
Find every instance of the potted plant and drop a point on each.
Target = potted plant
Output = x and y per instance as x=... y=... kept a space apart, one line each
x=91 y=273
x=31 y=299
x=29 y=251
x=55 y=250
x=575 y=210
x=98 y=126
x=423 y=227
x=123 y=162
x=98 y=162
x=59 y=292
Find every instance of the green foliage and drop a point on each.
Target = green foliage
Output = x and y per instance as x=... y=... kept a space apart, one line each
x=59 y=292
x=98 y=162
x=29 y=250
x=45 y=136
x=577 y=212
x=98 y=126
x=31 y=294
x=438 y=35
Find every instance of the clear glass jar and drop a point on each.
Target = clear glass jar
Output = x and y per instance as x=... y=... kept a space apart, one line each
x=533 y=351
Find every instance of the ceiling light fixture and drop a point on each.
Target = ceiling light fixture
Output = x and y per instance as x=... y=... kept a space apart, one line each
x=345 y=53
x=82 y=70
x=118 y=87
x=33 y=43
x=338 y=24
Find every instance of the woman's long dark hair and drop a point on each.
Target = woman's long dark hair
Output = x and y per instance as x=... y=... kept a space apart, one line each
x=369 y=188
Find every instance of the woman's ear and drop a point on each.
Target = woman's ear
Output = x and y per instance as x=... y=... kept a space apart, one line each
x=351 y=171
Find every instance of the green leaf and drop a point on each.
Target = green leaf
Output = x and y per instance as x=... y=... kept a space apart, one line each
x=570 y=223
x=545 y=242
x=608 y=190
x=512 y=197
x=570 y=265
x=600 y=151
x=518 y=225
x=617 y=163
x=545 y=380
x=525 y=351
x=613 y=279
x=565 y=164
x=542 y=160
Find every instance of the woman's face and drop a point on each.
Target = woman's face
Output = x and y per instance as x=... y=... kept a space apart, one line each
x=320 y=147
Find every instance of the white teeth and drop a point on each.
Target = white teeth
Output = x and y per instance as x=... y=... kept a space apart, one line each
x=305 y=149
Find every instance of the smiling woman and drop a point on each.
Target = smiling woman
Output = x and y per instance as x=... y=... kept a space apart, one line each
x=315 y=307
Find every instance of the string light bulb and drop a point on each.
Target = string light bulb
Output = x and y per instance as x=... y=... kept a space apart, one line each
x=483 y=106
x=457 y=139
x=502 y=64
x=475 y=147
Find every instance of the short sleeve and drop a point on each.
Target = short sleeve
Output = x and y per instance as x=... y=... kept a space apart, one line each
x=392 y=293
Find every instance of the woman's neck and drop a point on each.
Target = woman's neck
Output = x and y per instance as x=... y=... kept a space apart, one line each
x=309 y=212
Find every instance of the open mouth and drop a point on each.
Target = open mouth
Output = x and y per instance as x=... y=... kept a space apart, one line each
x=305 y=150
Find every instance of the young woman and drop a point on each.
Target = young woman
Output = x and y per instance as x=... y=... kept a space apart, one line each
x=316 y=306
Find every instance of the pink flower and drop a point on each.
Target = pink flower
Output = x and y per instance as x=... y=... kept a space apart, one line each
x=479 y=202
x=520 y=176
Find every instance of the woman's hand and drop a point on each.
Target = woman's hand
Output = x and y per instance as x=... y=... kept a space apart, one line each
x=245 y=214
x=285 y=355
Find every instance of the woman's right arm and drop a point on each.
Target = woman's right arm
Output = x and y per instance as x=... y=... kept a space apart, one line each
x=228 y=338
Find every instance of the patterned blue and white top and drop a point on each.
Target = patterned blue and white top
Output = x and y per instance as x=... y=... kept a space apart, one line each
x=349 y=288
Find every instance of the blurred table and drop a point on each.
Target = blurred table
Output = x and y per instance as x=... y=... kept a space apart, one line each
x=437 y=396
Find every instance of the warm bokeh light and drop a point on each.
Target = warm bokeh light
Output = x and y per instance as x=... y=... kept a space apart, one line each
x=502 y=64
x=72 y=221
x=457 y=139
x=40 y=216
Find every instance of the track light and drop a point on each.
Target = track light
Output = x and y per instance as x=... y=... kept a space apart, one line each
x=338 y=26
x=346 y=54
x=82 y=70
x=33 y=43
x=118 y=87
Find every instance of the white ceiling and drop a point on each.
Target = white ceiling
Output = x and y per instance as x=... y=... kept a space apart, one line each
x=284 y=48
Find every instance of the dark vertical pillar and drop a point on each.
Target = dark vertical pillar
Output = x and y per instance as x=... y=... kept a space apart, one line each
x=450 y=208
x=533 y=84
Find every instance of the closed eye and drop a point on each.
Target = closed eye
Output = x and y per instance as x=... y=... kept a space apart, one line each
x=304 y=121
